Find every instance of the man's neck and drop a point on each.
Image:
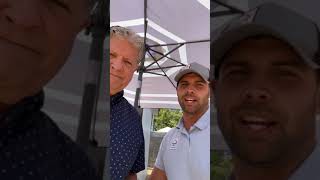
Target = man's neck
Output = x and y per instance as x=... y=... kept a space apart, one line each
x=112 y=93
x=190 y=119
x=280 y=170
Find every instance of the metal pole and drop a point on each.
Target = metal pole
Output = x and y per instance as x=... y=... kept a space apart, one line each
x=232 y=8
x=181 y=43
x=93 y=74
x=106 y=172
x=141 y=69
x=164 y=56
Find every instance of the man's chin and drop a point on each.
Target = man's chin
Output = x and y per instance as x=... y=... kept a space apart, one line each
x=260 y=162
x=190 y=110
x=114 y=91
x=8 y=99
x=256 y=156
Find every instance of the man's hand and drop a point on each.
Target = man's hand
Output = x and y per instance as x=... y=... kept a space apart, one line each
x=132 y=176
x=158 y=174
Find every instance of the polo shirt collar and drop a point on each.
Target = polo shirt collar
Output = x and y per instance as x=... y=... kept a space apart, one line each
x=204 y=120
x=307 y=170
x=309 y=167
x=201 y=124
x=116 y=97
x=29 y=104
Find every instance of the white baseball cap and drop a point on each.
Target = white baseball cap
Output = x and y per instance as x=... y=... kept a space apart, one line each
x=194 y=67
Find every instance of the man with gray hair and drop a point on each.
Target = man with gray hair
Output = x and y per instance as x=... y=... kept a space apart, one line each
x=127 y=140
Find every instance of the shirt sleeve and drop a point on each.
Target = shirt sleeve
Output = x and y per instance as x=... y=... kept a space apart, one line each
x=159 y=161
x=139 y=163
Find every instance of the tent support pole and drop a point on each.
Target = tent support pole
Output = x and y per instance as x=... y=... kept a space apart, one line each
x=155 y=60
x=166 y=55
x=162 y=70
x=141 y=69
x=183 y=43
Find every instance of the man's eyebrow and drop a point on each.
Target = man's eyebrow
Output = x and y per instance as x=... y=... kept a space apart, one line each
x=296 y=64
x=198 y=81
x=233 y=63
x=293 y=63
x=184 y=81
x=64 y=4
x=201 y=81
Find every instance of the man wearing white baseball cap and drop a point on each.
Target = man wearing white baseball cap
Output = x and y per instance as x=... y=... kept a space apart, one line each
x=185 y=150
x=267 y=93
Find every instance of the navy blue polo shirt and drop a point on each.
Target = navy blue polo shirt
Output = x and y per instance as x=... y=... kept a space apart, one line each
x=33 y=147
x=127 y=141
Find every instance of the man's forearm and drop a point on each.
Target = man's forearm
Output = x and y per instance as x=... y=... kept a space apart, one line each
x=132 y=176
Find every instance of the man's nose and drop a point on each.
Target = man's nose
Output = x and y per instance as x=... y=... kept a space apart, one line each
x=256 y=89
x=23 y=13
x=117 y=64
x=190 y=89
x=257 y=94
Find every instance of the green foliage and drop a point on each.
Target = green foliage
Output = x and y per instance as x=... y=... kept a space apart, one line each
x=166 y=118
x=220 y=167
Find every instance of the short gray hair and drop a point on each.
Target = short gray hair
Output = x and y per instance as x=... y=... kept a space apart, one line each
x=131 y=36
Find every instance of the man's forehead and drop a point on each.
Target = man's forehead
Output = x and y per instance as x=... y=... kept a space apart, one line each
x=192 y=76
x=124 y=47
x=273 y=50
x=119 y=42
x=119 y=39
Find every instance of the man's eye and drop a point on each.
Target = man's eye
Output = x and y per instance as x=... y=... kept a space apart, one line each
x=128 y=63
x=200 y=85
x=183 y=84
x=286 y=74
x=234 y=72
x=61 y=4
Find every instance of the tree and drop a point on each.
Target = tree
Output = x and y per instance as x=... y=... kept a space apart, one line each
x=166 y=118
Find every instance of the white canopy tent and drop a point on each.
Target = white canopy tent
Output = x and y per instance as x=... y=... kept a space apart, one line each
x=176 y=33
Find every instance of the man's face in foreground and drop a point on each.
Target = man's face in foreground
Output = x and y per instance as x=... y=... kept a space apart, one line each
x=123 y=62
x=193 y=94
x=266 y=100
x=36 y=37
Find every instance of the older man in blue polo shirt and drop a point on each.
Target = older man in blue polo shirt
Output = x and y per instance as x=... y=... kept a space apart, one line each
x=185 y=150
x=127 y=141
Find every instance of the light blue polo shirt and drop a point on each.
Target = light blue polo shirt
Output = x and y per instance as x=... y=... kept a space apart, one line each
x=310 y=168
x=186 y=155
